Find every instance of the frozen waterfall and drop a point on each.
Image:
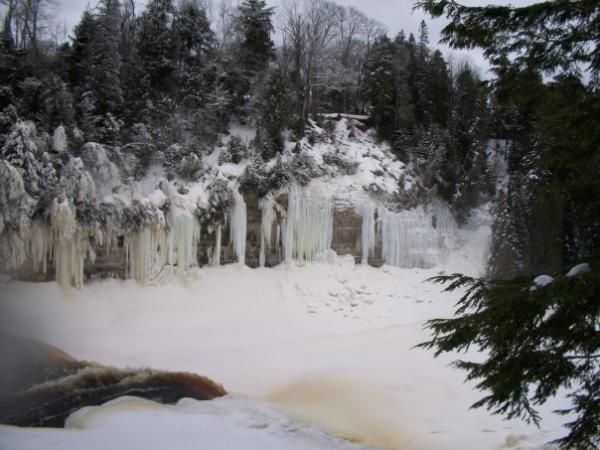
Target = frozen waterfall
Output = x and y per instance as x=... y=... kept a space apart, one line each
x=308 y=226
x=367 y=231
x=151 y=249
x=237 y=227
x=417 y=237
x=267 y=207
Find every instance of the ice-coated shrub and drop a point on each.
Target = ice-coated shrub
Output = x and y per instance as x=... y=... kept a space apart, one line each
x=304 y=168
x=343 y=163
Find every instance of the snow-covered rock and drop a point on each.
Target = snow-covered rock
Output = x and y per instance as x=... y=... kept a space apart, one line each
x=579 y=269
x=543 y=280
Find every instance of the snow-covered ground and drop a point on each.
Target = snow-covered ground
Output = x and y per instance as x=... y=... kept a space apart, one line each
x=330 y=342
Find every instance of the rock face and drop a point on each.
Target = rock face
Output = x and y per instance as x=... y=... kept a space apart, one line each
x=296 y=225
x=41 y=386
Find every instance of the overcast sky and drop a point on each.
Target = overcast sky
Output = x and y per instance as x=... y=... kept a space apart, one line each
x=394 y=14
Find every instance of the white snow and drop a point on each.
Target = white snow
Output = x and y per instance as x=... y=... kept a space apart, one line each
x=229 y=423
x=332 y=342
x=579 y=269
x=543 y=280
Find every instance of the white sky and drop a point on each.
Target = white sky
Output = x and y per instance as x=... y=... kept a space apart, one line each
x=394 y=14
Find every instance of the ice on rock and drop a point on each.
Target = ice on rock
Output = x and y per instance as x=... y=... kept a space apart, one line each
x=579 y=269
x=60 y=142
x=216 y=255
x=268 y=213
x=184 y=236
x=147 y=252
x=368 y=231
x=308 y=226
x=70 y=247
x=155 y=246
x=237 y=226
x=104 y=172
x=418 y=237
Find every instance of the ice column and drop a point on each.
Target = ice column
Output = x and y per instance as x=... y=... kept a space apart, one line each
x=237 y=226
x=418 y=237
x=267 y=208
x=147 y=252
x=308 y=226
x=368 y=231
x=216 y=256
x=183 y=242
x=69 y=250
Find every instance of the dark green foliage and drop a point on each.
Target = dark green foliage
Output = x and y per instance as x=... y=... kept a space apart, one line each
x=537 y=341
x=379 y=86
x=194 y=42
x=255 y=26
x=157 y=45
x=274 y=110
x=79 y=54
x=237 y=149
x=105 y=74
x=548 y=36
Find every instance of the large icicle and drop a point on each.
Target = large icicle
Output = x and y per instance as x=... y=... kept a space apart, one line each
x=70 y=249
x=308 y=226
x=152 y=248
x=216 y=255
x=418 y=237
x=268 y=208
x=183 y=242
x=237 y=226
x=147 y=252
x=368 y=231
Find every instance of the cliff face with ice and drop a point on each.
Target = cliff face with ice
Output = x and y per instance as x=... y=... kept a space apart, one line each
x=338 y=191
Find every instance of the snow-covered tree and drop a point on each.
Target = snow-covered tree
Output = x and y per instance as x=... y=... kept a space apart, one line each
x=254 y=23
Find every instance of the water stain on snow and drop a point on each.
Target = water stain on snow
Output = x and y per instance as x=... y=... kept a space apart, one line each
x=348 y=408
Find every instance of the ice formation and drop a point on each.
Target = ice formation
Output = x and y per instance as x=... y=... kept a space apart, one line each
x=183 y=239
x=417 y=237
x=146 y=253
x=70 y=249
x=237 y=226
x=268 y=214
x=216 y=255
x=308 y=226
x=368 y=231
x=155 y=246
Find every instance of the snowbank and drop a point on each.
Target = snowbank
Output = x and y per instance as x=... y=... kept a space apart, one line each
x=333 y=342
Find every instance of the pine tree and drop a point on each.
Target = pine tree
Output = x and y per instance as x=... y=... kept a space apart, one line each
x=195 y=43
x=79 y=56
x=274 y=111
x=379 y=86
x=538 y=339
x=157 y=46
x=106 y=60
x=255 y=27
x=438 y=89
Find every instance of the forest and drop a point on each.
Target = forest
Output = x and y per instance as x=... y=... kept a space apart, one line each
x=281 y=96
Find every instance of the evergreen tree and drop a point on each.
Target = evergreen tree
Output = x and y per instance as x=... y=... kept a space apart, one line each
x=379 y=86
x=80 y=54
x=106 y=63
x=438 y=89
x=255 y=27
x=274 y=114
x=538 y=339
x=195 y=44
x=156 y=45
